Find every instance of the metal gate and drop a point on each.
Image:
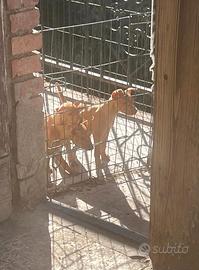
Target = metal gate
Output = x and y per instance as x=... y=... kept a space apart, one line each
x=90 y=49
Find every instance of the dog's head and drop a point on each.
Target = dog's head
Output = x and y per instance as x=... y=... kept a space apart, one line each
x=124 y=101
x=71 y=118
x=68 y=114
x=81 y=137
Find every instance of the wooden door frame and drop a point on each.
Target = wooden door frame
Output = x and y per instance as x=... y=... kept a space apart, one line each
x=175 y=167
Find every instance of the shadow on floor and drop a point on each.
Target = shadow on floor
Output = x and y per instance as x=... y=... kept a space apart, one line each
x=106 y=200
x=45 y=240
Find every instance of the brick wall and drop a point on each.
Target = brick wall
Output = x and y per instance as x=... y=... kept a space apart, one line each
x=24 y=63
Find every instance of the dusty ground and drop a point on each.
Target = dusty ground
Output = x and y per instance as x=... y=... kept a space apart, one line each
x=118 y=200
x=43 y=240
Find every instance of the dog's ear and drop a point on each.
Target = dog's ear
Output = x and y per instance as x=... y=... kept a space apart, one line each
x=130 y=91
x=117 y=94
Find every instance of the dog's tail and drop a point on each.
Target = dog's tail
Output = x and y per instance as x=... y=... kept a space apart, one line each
x=60 y=93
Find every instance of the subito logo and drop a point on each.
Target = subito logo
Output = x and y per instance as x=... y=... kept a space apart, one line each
x=144 y=249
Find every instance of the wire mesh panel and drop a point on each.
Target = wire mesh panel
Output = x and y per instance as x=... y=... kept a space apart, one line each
x=91 y=49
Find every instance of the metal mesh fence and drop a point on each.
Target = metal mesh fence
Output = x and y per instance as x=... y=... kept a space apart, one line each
x=90 y=57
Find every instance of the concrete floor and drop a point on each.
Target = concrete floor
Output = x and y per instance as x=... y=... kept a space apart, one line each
x=120 y=200
x=43 y=240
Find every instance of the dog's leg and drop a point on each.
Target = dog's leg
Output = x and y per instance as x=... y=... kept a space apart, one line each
x=72 y=159
x=98 y=162
x=73 y=162
x=49 y=184
x=97 y=150
x=97 y=156
x=104 y=157
x=61 y=162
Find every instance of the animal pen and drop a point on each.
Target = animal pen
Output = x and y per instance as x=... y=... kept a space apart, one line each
x=92 y=48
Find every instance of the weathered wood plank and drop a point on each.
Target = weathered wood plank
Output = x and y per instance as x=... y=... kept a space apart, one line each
x=5 y=172
x=4 y=147
x=175 y=170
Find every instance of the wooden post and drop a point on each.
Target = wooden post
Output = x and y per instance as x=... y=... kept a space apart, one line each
x=175 y=171
x=6 y=181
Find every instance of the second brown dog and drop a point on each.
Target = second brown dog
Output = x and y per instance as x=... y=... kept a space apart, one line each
x=63 y=126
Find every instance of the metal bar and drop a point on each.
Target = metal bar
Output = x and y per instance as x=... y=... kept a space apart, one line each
x=110 y=80
x=98 y=38
x=80 y=217
x=84 y=24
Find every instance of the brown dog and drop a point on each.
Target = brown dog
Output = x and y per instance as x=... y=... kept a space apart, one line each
x=63 y=126
x=100 y=119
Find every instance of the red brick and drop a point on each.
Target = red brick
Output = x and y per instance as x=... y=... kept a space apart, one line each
x=26 y=65
x=17 y=4
x=24 y=21
x=27 y=43
x=28 y=88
